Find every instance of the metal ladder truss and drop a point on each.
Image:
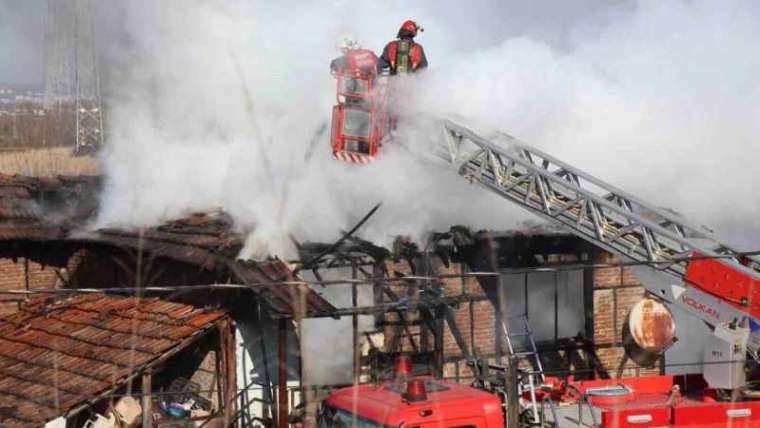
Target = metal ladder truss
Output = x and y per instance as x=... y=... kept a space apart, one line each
x=592 y=209
x=531 y=353
x=532 y=378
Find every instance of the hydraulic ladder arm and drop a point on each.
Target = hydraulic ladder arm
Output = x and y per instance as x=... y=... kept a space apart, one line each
x=710 y=279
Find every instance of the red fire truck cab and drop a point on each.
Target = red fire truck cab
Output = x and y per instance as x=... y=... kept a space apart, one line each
x=414 y=402
x=642 y=402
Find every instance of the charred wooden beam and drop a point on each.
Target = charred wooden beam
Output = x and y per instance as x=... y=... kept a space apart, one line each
x=406 y=305
x=438 y=342
x=357 y=355
x=228 y=369
x=403 y=323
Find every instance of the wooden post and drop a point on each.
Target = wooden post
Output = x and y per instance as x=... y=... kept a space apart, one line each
x=228 y=369
x=282 y=374
x=377 y=290
x=438 y=345
x=147 y=400
x=26 y=273
x=357 y=355
x=244 y=404
x=588 y=296
x=513 y=403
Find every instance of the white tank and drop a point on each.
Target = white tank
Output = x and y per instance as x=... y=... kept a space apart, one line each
x=651 y=326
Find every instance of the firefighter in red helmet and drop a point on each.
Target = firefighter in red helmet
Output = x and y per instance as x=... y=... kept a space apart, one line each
x=403 y=55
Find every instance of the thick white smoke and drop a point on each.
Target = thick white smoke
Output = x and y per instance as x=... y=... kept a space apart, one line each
x=659 y=98
x=661 y=102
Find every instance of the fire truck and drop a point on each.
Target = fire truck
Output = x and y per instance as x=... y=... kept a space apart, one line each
x=360 y=120
x=409 y=400
x=679 y=263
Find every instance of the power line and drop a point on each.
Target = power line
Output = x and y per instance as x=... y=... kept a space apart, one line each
x=255 y=286
x=259 y=286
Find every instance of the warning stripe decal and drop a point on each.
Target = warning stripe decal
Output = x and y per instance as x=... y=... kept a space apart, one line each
x=352 y=157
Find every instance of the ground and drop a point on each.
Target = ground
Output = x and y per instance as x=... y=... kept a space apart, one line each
x=47 y=162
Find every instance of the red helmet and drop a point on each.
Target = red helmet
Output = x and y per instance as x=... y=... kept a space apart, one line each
x=409 y=29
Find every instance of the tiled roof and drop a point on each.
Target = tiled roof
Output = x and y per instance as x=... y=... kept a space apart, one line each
x=210 y=240
x=51 y=212
x=57 y=353
x=45 y=208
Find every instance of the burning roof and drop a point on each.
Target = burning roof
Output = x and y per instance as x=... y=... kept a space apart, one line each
x=52 y=214
x=210 y=241
x=45 y=208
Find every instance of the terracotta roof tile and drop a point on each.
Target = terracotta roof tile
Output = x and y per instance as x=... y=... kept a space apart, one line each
x=57 y=353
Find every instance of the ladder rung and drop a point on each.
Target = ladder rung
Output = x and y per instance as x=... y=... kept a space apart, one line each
x=531 y=352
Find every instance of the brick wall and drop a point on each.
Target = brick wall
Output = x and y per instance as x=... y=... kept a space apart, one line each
x=616 y=290
x=475 y=320
x=22 y=274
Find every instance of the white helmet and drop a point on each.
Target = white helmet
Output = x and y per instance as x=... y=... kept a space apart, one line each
x=347 y=43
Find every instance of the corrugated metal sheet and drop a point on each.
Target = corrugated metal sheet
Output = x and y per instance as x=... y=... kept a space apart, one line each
x=56 y=354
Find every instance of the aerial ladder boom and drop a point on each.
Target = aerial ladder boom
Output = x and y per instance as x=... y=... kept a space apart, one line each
x=708 y=278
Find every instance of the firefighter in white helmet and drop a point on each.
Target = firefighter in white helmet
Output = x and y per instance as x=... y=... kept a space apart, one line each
x=344 y=45
x=355 y=65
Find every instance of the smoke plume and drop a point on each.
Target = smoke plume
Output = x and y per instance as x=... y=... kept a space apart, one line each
x=217 y=103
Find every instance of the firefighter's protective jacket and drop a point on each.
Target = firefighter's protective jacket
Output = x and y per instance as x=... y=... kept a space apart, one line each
x=403 y=56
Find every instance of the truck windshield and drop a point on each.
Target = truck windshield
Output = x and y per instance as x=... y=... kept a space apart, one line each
x=339 y=418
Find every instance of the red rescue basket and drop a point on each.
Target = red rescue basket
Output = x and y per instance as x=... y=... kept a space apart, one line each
x=359 y=120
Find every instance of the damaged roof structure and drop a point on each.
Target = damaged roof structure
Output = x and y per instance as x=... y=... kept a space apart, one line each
x=46 y=220
x=33 y=208
x=49 y=223
x=210 y=241
x=440 y=303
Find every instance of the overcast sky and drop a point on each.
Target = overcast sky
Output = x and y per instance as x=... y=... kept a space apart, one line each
x=474 y=24
x=21 y=41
